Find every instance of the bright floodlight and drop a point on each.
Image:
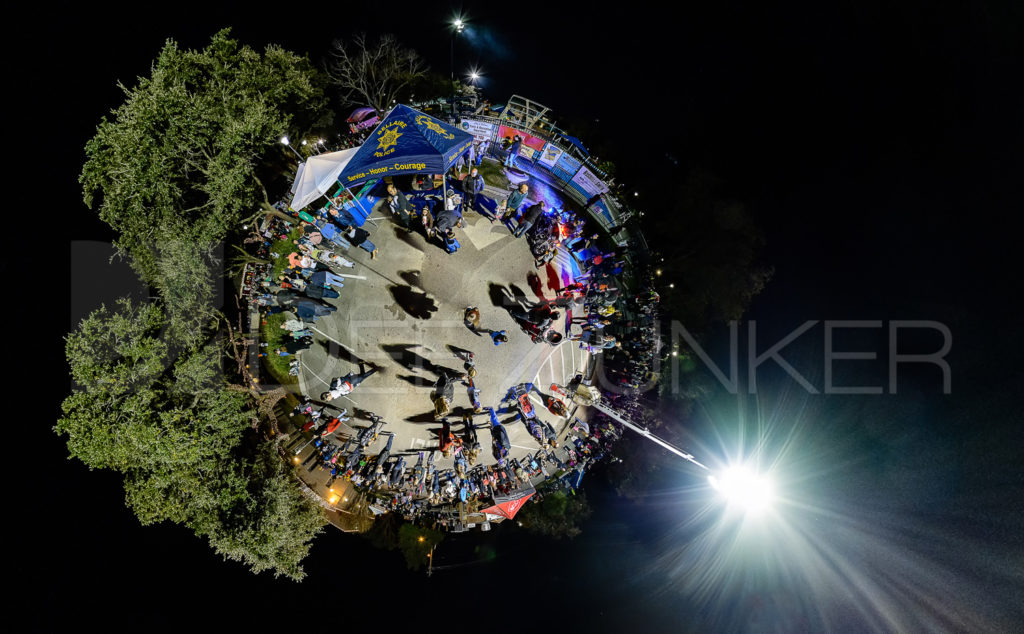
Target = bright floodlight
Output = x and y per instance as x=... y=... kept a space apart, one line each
x=284 y=140
x=739 y=486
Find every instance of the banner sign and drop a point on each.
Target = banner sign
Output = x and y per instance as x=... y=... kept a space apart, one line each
x=536 y=143
x=589 y=182
x=481 y=130
x=550 y=155
x=568 y=164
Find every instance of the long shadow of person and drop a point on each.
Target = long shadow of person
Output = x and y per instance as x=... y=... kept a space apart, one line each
x=343 y=353
x=500 y=296
x=486 y=207
x=520 y=296
x=425 y=417
x=402 y=354
x=412 y=278
x=416 y=304
x=416 y=381
x=536 y=285
x=459 y=352
x=556 y=281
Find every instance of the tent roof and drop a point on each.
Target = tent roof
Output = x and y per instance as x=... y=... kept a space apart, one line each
x=577 y=143
x=360 y=113
x=317 y=175
x=407 y=142
x=509 y=505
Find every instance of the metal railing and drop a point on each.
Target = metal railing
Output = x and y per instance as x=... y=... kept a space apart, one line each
x=558 y=139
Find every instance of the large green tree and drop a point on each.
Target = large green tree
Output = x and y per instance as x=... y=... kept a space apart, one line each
x=179 y=159
x=174 y=170
x=182 y=439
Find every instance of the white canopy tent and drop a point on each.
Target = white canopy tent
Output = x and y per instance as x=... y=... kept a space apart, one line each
x=318 y=175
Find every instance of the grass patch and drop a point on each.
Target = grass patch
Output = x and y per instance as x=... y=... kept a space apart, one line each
x=494 y=174
x=283 y=248
x=272 y=334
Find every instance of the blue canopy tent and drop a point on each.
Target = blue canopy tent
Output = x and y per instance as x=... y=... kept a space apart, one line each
x=577 y=143
x=406 y=142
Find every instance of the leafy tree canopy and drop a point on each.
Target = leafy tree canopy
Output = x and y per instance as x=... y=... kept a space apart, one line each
x=557 y=515
x=179 y=158
x=416 y=542
x=181 y=439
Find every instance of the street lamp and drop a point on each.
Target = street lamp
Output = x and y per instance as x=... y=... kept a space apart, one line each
x=459 y=25
x=284 y=141
x=742 y=487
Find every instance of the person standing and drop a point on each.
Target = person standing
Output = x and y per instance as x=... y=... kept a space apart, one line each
x=482 y=150
x=473 y=185
x=398 y=203
x=511 y=205
x=472 y=318
x=529 y=217
x=513 y=152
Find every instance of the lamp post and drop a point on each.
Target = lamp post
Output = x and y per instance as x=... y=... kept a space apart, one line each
x=459 y=25
x=284 y=141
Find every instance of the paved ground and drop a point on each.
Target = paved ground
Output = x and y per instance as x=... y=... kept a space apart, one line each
x=406 y=317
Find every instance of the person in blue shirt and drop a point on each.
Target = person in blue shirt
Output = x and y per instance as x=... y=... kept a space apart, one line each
x=471 y=186
x=499 y=337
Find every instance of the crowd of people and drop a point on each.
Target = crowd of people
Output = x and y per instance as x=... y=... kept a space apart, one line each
x=591 y=308
x=421 y=490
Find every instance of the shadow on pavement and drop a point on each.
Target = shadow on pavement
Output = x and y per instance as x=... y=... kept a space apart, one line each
x=458 y=352
x=536 y=285
x=507 y=298
x=412 y=238
x=555 y=281
x=403 y=355
x=416 y=304
x=520 y=296
x=340 y=352
x=412 y=278
x=415 y=381
x=426 y=417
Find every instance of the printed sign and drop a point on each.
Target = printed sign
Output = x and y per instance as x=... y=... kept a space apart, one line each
x=481 y=130
x=589 y=182
x=536 y=143
x=550 y=155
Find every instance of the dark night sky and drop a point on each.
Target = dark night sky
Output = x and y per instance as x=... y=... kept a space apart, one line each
x=878 y=146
